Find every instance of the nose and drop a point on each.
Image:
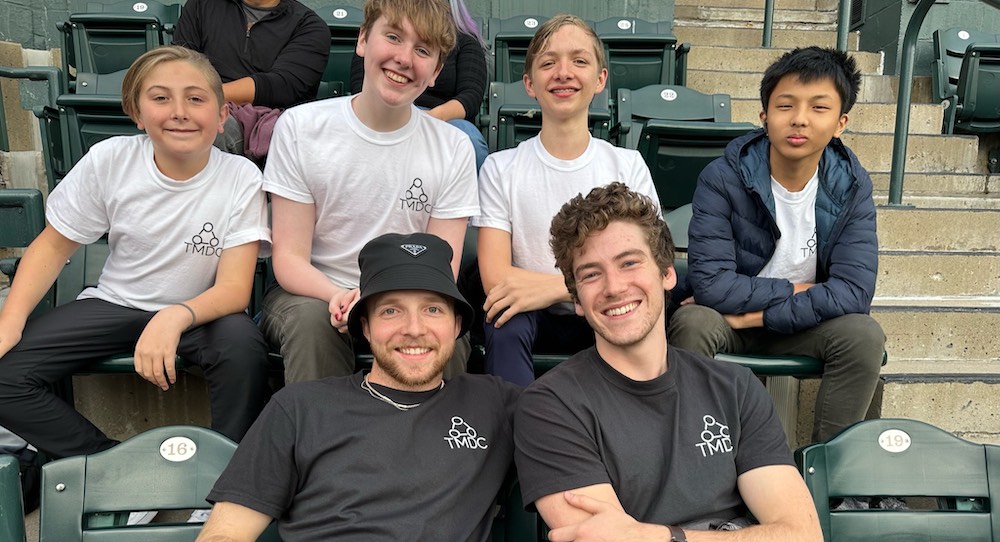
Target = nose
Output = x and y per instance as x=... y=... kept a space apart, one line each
x=614 y=283
x=404 y=57
x=179 y=109
x=562 y=70
x=415 y=324
x=799 y=117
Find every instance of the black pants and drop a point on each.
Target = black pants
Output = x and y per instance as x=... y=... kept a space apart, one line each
x=230 y=351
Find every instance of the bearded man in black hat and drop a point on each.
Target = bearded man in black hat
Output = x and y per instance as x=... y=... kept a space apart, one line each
x=397 y=453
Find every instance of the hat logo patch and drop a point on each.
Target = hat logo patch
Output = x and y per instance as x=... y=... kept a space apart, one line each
x=414 y=250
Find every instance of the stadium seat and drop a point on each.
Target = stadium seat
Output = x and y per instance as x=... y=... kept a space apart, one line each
x=513 y=523
x=509 y=39
x=905 y=459
x=345 y=24
x=22 y=218
x=515 y=116
x=964 y=74
x=678 y=131
x=168 y=468
x=108 y=37
x=641 y=53
x=11 y=505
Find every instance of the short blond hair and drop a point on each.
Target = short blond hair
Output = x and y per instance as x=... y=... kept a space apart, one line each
x=431 y=19
x=141 y=68
x=540 y=41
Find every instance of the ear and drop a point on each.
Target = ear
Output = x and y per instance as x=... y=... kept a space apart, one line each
x=669 y=278
x=362 y=41
x=223 y=115
x=364 y=328
x=436 y=73
x=841 y=125
x=458 y=325
x=578 y=308
x=763 y=119
x=602 y=79
x=528 y=86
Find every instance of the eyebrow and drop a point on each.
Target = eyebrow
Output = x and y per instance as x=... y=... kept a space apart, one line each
x=574 y=52
x=187 y=88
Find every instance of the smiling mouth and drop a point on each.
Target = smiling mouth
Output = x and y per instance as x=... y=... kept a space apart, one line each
x=414 y=351
x=563 y=91
x=624 y=309
x=393 y=76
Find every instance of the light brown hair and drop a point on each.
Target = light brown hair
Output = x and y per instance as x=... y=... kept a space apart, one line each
x=583 y=216
x=431 y=19
x=540 y=41
x=136 y=75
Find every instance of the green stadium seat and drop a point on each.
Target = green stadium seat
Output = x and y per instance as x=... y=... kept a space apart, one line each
x=11 y=504
x=168 y=468
x=949 y=51
x=509 y=39
x=904 y=458
x=513 y=523
x=641 y=53
x=975 y=108
x=345 y=24
x=108 y=37
x=678 y=131
x=515 y=116
x=22 y=218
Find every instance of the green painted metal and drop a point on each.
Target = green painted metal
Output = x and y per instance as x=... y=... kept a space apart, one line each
x=768 y=23
x=843 y=24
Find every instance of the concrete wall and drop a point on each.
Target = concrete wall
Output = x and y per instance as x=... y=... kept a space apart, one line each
x=885 y=22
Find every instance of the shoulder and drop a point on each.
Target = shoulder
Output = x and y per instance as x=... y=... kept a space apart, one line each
x=487 y=388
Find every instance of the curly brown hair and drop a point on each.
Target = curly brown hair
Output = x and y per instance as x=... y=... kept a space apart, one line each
x=583 y=216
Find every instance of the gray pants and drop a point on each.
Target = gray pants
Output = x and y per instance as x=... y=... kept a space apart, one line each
x=850 y=346
x=299 y=328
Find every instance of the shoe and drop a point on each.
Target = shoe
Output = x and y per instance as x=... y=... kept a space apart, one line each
x=140 y=518
x=199 y=516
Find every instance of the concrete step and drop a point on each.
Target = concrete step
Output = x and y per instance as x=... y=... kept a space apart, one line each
x=758 y=59
x=926 y=153
x=990 y=201
x=905 y=273
x=917 y=184
x=968 y=230
x=823 y=20
x=750 y=34
x=756 y=4
x=957 y=396
x=940 y=328
x=864 y=117
x=874 y=88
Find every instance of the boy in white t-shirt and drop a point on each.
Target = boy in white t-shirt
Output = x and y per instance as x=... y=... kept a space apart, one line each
x=184 y=223
x=782 y=253
x=345 y=170
x=521 y=189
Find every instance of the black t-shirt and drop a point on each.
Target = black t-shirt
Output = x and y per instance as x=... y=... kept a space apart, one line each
x=333 y=463
x=671 y=447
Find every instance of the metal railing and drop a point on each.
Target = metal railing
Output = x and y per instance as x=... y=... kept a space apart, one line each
x=843 y=23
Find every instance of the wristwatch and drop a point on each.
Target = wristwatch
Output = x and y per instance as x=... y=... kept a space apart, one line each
x=676 y=534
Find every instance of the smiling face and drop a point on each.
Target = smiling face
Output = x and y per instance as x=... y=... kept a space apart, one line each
x=412 y=336
x=620 y=288
x=399 y=65
x=565 y=75
x=801 y=119
x=182 y=116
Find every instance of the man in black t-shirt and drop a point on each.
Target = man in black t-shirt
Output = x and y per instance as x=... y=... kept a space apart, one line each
x=397 y=453
x=634 y=439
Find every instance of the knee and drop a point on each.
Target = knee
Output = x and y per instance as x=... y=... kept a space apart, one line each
x=519 y=330
x=692 y=323
x=303 y=319
x=236 y=339
x=862 y=340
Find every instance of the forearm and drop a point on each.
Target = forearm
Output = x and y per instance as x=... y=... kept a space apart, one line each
x=547 y=288
x=772 y=532
x=241 y=91
x=450 y=110
x=298 y=276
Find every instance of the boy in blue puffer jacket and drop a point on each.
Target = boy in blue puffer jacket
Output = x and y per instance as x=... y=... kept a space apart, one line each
x=782 y=246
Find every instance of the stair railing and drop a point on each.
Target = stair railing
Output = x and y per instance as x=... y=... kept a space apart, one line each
x=843 y=23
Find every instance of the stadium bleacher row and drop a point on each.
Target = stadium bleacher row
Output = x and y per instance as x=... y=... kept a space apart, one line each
x=677 y=129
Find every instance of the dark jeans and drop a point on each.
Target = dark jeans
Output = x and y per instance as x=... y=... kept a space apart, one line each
x=509 y=348
x=850 y=346
x=230 y=351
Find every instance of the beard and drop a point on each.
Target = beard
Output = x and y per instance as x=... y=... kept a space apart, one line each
x=410 y=376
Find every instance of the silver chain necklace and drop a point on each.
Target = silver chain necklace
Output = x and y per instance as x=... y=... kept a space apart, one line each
x=365 y=385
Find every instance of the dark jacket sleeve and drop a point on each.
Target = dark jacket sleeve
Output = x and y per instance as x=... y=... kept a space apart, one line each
x=712 y=269
x=470 y=81
x=188 y=30
x=849 y=285
x=295 y=74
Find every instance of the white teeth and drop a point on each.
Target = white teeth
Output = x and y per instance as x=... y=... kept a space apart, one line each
x=396 y=77
x=414 y=351
x=621 y=310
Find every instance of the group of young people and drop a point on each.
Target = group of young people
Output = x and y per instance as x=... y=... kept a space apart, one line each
x=370 y=197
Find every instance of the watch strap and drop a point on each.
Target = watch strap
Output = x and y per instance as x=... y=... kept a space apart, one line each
x=676 y=534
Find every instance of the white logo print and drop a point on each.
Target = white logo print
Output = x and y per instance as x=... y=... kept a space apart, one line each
x=462 y=435
x=414 y=250
x=714 y=441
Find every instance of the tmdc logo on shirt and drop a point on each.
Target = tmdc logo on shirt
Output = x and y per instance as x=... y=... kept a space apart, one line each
x=463 y=436
x=415 y=199
x=714 y=438
x=204 y=242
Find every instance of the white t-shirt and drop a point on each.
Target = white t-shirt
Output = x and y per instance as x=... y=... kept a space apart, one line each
x=164 y=237
x=521 y=189
x=365 y=183
x=794 y=257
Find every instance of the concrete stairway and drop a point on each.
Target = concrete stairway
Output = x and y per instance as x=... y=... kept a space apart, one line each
x=938 y=290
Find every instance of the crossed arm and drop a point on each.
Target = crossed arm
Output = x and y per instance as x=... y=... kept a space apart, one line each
x=776 y=495
x=511 y=290
x=231 y=522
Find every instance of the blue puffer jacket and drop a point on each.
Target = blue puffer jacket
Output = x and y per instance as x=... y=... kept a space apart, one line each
x=733 y=235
